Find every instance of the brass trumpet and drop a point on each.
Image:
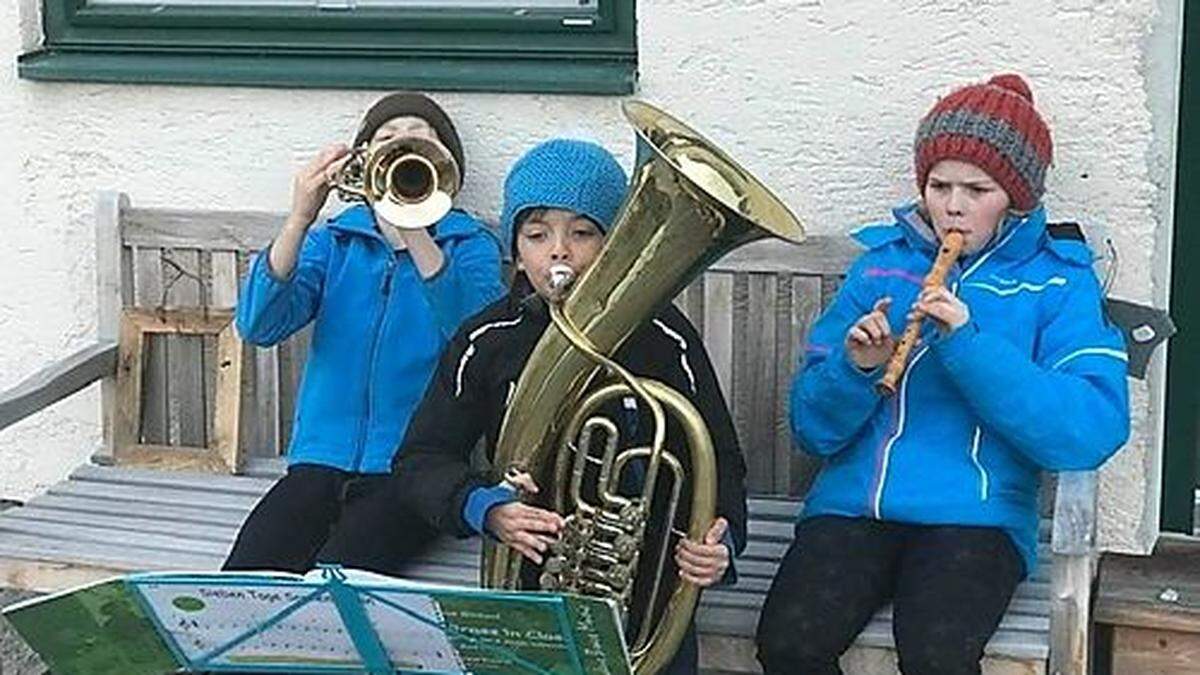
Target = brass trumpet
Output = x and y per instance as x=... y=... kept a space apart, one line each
x=410 y=181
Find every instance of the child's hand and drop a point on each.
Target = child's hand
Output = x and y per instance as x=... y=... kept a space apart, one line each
x=946 y=309
x=704 y=563
x=526 y=528
x=311 y=184
x=869 y=341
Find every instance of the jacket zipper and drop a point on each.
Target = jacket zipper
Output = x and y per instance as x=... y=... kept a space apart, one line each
x=364 y=426
x=881 y=477
x=983 y=475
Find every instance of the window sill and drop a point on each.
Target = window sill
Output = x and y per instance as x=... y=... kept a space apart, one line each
x=613 y=75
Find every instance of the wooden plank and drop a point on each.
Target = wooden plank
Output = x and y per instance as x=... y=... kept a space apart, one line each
x=781 y=360
x=173 y=458
x=147 y=280
x=882 y=661
x=113 y=554
x=208 y=344
x=262 y=467
x=129 y=424
x=756 y=381
x=718 y=328
x=830 y=285
x=200 y=483
x=226 y=420
x=1159 y=591
x=171 y=543
x=150 y=498
x=175 y=514
x=1148 y=651
x=58 y=381
x=290 y=358
x=690 y=301
x=1075 y=513
x=1012 y=643
x=221 y=454
x=819 y=255
x=214 y=230
x=113 y=291
x=50 y=577
x=133 y=527
x=266 y=387
x=185 y=354
x=806 y=307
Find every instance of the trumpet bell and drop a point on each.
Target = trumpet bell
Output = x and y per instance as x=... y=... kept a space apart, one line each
x=410 y=181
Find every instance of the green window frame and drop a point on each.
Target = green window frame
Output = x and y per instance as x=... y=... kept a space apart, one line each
x=592 y=50
x=1181 y=454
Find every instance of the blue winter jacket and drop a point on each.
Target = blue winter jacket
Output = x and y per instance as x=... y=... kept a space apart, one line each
x=1035 y=380
x=378 y=329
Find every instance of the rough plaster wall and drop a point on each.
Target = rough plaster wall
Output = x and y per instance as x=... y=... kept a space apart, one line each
x=820 y=99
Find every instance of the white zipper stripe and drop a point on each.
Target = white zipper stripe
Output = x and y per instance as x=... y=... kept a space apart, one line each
x=683 y=349
x=983 y=475
x=470 y=350
x=1098 y=351
x=887 y=449
x=462 y=367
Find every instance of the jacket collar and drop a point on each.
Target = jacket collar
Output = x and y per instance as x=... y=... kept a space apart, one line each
x=1018 y=237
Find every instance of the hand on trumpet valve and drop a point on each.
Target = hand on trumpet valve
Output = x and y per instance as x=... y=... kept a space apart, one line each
x=947 y=310
x=704 y=563
x=311 y=184
x=869 y=341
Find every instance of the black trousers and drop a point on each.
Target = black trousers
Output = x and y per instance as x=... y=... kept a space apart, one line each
x=320 y=514
x=949 y=587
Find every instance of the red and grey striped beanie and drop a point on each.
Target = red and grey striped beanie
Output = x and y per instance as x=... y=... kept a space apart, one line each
x=995 y=127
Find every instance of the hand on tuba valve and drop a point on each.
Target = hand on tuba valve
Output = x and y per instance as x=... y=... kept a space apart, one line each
x=410 y=181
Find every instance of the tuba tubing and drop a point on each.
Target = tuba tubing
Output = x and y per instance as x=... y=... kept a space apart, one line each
x=688 y=205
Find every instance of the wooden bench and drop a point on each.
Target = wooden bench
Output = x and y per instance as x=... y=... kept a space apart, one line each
x=1148 y=610
x=753 y=309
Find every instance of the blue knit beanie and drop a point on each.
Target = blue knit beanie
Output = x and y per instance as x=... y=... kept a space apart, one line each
x=564 y=174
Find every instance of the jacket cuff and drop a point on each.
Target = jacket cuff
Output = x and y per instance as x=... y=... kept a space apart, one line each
x=850 y=374
x=480 y=500
x=264 y=259
x=956 y=346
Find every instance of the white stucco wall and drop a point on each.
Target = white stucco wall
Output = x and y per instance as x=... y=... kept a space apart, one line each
x=820 y=99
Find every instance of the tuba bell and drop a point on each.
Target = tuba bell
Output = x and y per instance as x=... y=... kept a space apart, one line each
x=410 y=180
x=688 y=205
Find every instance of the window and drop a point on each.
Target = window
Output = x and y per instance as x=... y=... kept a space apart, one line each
x=562 y=46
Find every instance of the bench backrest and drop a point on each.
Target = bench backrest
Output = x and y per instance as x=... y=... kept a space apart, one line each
x=753 y=309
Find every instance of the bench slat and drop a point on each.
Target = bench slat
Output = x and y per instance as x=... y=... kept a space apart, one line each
x=151 y=497
x=133 y=527
x=122 y=556
x=187 y=480
x=179 y=513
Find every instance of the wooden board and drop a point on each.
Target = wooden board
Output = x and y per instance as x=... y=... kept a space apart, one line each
x=222 y=453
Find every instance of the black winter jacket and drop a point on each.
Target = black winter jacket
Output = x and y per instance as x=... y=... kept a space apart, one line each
x=469 y=393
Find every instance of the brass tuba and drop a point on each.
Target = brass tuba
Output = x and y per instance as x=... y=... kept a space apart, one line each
x=688 y=205
x=410 y=180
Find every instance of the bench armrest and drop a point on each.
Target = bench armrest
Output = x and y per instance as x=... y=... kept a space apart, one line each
x=1074 y=530
x=57 y=381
